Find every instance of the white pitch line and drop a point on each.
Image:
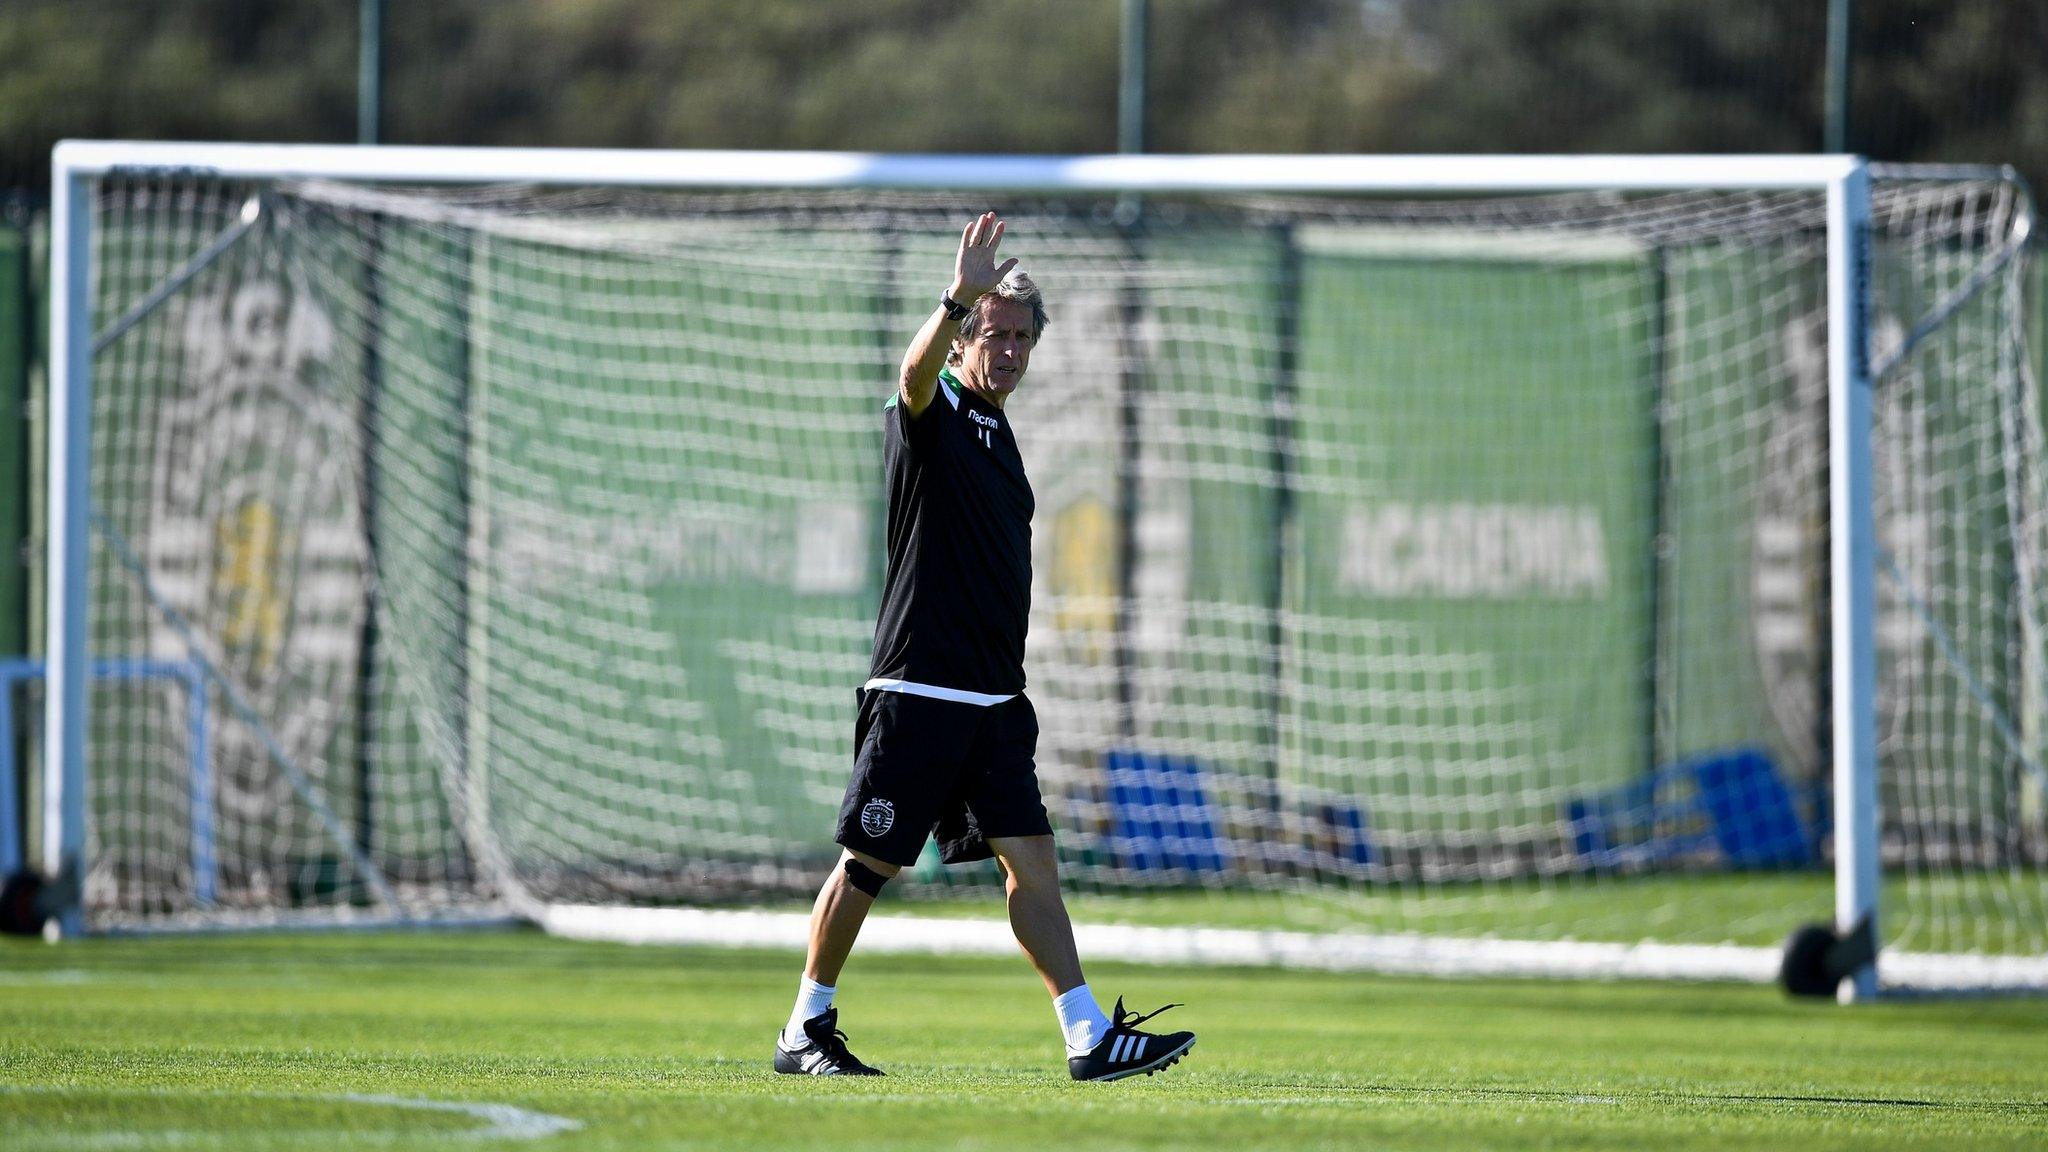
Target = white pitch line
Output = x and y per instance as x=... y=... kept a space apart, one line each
x=47 y=976
x=506 y=1121
x=501 y=1121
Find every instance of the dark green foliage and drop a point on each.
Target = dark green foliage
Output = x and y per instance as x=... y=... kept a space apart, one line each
x=1933 y=80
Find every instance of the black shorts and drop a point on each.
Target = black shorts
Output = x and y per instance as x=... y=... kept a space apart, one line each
x=961 y=772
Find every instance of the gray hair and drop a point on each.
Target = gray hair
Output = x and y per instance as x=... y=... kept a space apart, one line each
x=1017 y=286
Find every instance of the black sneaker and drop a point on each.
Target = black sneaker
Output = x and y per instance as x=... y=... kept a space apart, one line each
x=825 y=1055
x=1127 y=1051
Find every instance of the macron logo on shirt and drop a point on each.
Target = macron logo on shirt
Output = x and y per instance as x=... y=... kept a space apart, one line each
x=984 y=421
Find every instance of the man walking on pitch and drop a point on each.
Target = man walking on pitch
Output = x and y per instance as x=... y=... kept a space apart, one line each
x=945 y=738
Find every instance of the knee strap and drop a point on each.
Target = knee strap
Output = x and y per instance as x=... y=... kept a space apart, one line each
x=865 y=878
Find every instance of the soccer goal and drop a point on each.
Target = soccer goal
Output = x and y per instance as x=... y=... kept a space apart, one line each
x=1552 y=565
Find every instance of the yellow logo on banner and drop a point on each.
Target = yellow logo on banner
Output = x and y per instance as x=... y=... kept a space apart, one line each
x=1083 y=577
x=251 y=540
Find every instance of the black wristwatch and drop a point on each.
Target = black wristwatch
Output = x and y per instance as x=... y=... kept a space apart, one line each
x=955 y=311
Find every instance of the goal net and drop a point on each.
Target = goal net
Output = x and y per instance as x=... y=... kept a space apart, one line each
x=1408 y=571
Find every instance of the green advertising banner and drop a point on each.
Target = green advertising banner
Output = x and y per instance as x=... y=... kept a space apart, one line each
x=18 y=313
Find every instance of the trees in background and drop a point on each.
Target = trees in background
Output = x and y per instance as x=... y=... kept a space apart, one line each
x=1933 y=79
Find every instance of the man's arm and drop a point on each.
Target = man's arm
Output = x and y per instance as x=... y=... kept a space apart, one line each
x=974 y=272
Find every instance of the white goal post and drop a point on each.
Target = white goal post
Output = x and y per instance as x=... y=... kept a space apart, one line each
x=1842 y=184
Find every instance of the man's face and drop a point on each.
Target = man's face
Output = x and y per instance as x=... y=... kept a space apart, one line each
x=993 y=362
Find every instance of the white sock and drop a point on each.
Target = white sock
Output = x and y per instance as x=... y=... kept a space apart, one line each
x=1081 y=1019
x=812 y=999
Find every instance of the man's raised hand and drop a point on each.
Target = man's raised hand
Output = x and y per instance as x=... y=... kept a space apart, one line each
x=975 y=270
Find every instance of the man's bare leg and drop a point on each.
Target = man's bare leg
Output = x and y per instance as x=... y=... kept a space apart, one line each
x=1038 y=917
x=1038 y=913
x=836 y=918
x=1097 y=1048
x=835 y=924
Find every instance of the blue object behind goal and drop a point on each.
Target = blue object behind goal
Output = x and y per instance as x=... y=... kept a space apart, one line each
x=1732 y=803
x=1159 y=818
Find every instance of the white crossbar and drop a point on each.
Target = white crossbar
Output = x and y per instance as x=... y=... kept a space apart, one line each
x=732 y=169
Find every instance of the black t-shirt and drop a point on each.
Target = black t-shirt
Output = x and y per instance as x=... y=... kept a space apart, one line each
x=957 y=597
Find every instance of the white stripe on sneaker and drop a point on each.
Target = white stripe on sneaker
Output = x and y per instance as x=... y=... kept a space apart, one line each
x=1116 y=1050
x=1140 y=1053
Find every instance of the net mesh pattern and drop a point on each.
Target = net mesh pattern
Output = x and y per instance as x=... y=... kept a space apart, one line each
x=1449 y=566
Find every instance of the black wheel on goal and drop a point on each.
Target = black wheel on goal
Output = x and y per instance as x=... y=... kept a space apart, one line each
x=1805 y=970
x=21 y=899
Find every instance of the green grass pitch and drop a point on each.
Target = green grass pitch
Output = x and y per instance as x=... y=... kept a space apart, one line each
x=336 y=1041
